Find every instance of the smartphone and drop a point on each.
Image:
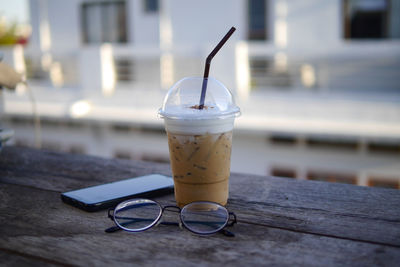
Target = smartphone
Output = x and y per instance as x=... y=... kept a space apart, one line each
x=104 y=196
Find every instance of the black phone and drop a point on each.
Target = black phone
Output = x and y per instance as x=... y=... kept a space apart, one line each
x=104 y=196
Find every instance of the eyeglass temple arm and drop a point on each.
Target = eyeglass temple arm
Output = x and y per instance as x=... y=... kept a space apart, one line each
x=226 y=232
x=234 y=220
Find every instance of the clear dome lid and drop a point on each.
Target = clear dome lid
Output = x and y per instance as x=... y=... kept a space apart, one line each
x=182 y=100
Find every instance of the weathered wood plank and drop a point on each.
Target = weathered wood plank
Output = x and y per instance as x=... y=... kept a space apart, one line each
x=62 y=172
x=9 y=257
x=338 y=210
x=345 y=211
x=37 y=225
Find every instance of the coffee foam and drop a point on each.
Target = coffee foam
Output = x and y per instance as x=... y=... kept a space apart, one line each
x=191 y=120
x=199 y=126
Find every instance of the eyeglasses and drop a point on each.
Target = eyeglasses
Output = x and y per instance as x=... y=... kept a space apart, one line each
x=200 y=217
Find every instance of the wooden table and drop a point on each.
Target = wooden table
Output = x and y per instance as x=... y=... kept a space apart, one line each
x=280 y=221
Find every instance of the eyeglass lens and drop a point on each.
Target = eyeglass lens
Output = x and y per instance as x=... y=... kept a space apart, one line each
x=204 y=217
x=199 y=217
x=137 y=215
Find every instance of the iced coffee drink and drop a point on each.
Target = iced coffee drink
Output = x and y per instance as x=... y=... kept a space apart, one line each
x=200 y=166
x=200 y=141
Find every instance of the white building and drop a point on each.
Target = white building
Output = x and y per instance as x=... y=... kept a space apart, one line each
x=318 y=82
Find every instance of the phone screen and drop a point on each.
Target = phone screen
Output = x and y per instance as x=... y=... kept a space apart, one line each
x=103 y=194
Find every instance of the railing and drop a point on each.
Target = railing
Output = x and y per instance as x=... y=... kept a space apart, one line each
x=367 y=67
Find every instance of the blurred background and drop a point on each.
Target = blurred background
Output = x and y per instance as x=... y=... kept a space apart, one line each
x=318 y=82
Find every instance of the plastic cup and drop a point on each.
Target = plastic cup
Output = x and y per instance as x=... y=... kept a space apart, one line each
x=200 y=141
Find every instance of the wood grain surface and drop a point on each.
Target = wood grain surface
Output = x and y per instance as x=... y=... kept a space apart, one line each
x=280 y=221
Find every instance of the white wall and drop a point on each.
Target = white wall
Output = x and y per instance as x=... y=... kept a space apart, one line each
x=314 y=23
x=61 y=18
x=205 y=22
x=65 y=24
x=143 y=28
x=34 y=39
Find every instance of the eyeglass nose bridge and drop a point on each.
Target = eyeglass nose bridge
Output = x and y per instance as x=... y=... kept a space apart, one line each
x=174 y=209
x=171 y=207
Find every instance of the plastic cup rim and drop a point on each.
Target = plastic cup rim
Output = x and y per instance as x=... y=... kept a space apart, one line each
x=223 y=115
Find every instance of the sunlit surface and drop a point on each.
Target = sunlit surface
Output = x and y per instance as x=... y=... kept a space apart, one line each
x=242 y=70
x=308 y=75
x=281 y=24
x=56 y=74
x=46 y=61
x=19 y=59
x=167 y=67
x=44 y=27
x=80 y=108
x=107 y=69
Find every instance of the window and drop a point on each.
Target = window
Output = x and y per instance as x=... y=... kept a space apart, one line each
x=283 y=172
x=104 y=22
x=382 y=182
x=20 y=122
x=283 y=140
x=22 y=143
x=51 y=146
x=124 y=69
x=77 y=149
x=155 y=158
x=265 y=73
x=122 y=128
x=122 y=154
x=371 y=19
x=153 y=131
x=321 y=142
x=384 y=148
x=333 y=177
x=257 y=20
x=55 y=124
x=34 y=69
x=150 y=6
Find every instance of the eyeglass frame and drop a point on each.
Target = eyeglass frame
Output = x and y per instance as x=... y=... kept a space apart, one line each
x=158 y=221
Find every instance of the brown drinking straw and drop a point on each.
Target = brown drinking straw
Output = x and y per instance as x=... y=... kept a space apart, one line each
x=208 y=62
